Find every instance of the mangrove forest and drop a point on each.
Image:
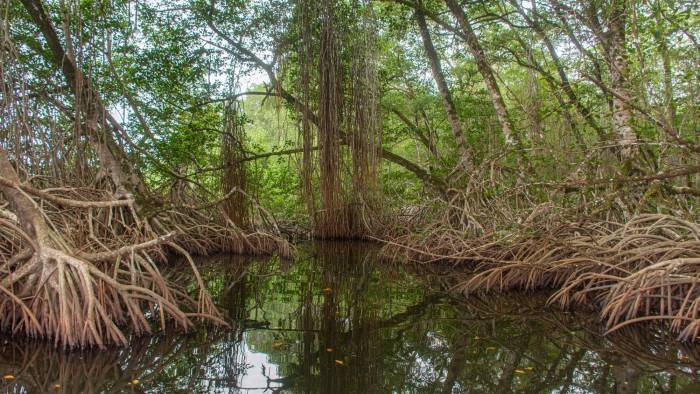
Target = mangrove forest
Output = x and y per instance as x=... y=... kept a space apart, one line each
x=349 y=196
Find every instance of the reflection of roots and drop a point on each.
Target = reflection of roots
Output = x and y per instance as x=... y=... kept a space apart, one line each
x=649 y=350
x=647 y=269
x=41 y=368
x=156 y=361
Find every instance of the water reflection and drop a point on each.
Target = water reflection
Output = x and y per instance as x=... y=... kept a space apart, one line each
x=336 y=321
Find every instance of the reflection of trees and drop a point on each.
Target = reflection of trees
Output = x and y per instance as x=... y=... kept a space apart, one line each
x=568 y=352
x=387 y=329
x=40 y=367
x=427 y=344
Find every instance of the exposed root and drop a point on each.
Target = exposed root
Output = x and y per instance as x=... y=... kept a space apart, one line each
x=92 y=278
x=647 y=269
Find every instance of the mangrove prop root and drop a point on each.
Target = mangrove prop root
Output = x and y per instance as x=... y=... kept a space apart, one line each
x=644 y=270
x=93 y=279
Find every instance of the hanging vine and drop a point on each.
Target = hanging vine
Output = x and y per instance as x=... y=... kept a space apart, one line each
x=337 y=44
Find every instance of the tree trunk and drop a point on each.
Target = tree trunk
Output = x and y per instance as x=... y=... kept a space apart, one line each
x=612 y=42
x=660 y=35
x=619 y=83
x=439 y=77
x=486 y=72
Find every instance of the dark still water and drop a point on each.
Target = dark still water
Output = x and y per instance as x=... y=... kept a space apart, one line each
x=338 y=321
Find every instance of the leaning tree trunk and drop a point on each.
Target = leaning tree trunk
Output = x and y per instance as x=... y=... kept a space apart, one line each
x=27 y=214
x=564 y=82
x=447 y=100
x=95 y=114
x=486 y=72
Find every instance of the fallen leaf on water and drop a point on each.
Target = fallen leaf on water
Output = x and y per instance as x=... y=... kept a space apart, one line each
x=327 y=290
x=329 y=349
x=135 y=381
x=490 y=348
x=277 y=344
x=339 y=362
x=9 y=377
x=529 y=368
x=57 y=386
x=476 y=338
x=520 y=371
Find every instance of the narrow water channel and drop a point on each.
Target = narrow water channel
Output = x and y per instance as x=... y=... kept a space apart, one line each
x=336 y=320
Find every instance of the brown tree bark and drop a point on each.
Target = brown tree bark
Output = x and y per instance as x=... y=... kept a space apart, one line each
x=447 y=101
